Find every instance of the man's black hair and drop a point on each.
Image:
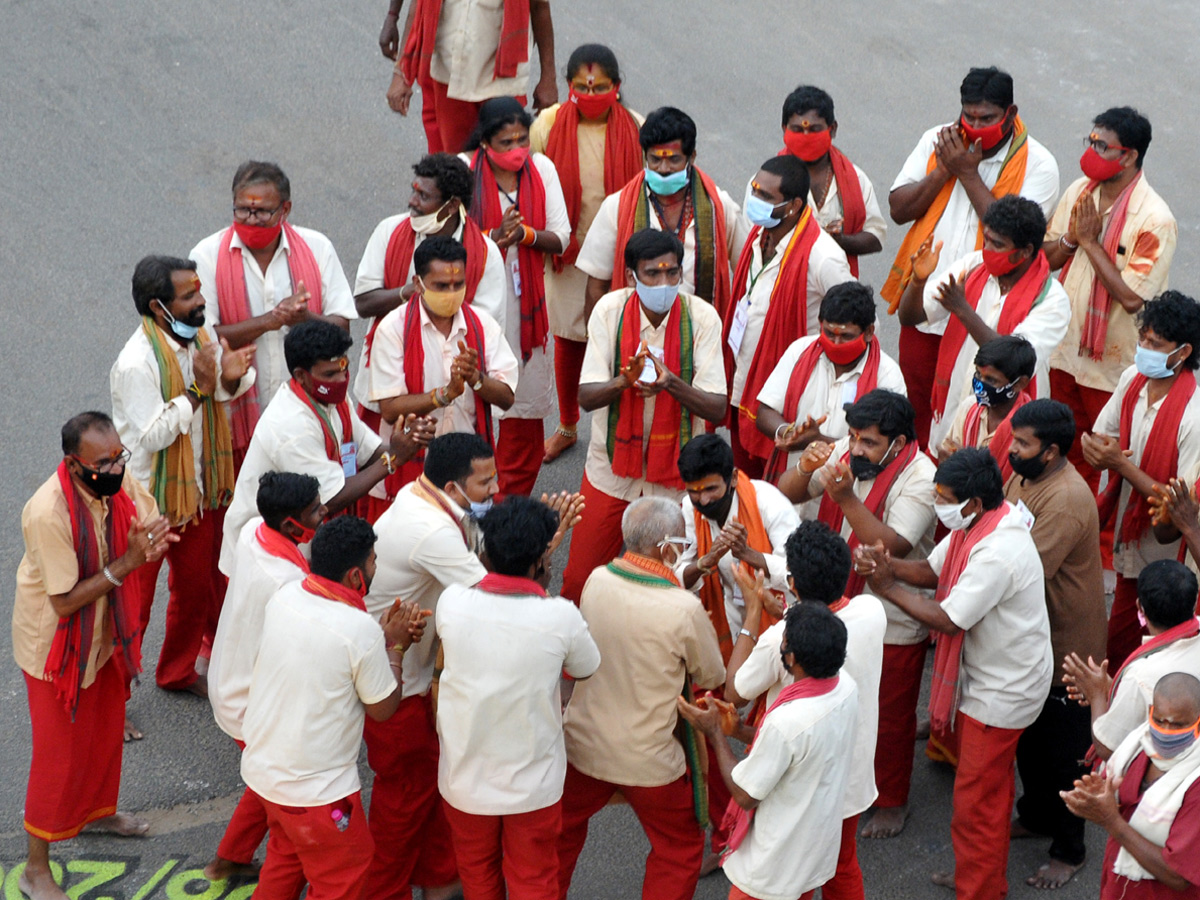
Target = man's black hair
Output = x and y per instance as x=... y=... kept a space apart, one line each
x=793 y=176
x=816 y=638
x=440 y=248
x=257 y=172
x=1174 y=317
x=516 y=534
x=310 y=342
x=340 y=545
x=451 y=175
x=1130 y=126
x=988 y=85
x=972 y=472
x=807 y=97
x=704 y=455
x=152 y=280
x=1052 y=423
x=1019 y=219
x=285 y=494
x=449 y=457
x=77 y=426
x=649 y=243
x=890 y=412
x=1011 y=354
x=668 y=124
x=1167 y=591
x=848 y=303
x=818 y=559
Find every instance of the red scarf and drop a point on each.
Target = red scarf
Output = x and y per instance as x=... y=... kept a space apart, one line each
x=333 y=449
x=947 y=658
x=1024 y=296
x=1094 y=334
x=671 y=425
x=786 y=321
x=511 y=51
x=334 y=590
x=831 y=514
x=1001 y=441
x=72 y=644
x=1160 y=459
x=234 y=307
x=531 y=202
x=280 y=547
x=622 y=161
x=854 y=208
x=513 y=585
x=868 y=380
x=737 y=820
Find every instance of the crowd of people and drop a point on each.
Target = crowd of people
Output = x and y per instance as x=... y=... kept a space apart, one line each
x=776 y=519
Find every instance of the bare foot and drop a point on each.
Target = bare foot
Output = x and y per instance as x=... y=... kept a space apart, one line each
x=120 y=823
x=556 y=445
x=923 y=728
x=887 y=822
x=202 y=664
x=1018 y=832
x=221 y=869
x=131 y=731
x=943 y=879
x=38 y=884
x=1052 y=875
x=710 y=863
x=444 y=892
x=199 y=687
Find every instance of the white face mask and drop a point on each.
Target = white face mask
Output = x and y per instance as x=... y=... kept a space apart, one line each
x=951 y=515
x=429 y=223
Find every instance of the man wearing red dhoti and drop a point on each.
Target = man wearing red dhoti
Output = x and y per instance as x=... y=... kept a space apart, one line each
x=76 y=635
x=992 y=668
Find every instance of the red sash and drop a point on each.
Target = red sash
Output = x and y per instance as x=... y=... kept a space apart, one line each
x=511 y=50
x=831 y=514
x=867 y=382
x=512 y=585
x=333 y=449
x=1017 y=303
x=854 y=207
x=334 y=590
x=531 y=202
x=947 y=657
x=280 y=547
x=234 y=307
x=72 y=643
x=1001 y=441
x=786 y=321
x=622 y=161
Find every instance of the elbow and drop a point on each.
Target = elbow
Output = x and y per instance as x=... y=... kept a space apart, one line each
x=714 y=408
x=589 y=401
x=362 y=306
x=506 y=398
x=908 y=316
x=390 y=410
x=947 y=628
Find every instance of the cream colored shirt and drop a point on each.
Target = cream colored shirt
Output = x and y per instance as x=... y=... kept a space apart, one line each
x=464 y=52
x=619 y=723
x=50 y=567
x=1144 y=255
x=833 y=210
x=1131 y=704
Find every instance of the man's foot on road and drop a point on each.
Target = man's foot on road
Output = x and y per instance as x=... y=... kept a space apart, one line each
x=199 y=687
x=943 y=879
x=1052 y=875
x=444 y=892
x=887 y=822
x=120 y=823
x=131 y=731
x=39 y=885
x=223 y=869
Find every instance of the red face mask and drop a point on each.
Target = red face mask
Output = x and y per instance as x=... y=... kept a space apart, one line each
x=509 y=160
x=998 y=263
x=329 y=392
x=593 y=106
x=808 y=146
x=988 y=137
x=1096 y=167
x=256 y=237
x=844 y=353
x=306 y=533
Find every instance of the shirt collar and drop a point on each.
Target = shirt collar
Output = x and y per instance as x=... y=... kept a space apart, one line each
x=458 y=325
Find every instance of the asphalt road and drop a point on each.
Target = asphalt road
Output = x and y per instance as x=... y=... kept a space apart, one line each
x=121 y=125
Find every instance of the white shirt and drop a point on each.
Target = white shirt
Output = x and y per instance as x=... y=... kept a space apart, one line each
x=499 y=714
x=257 y=577
x=958 y=228
x=1132 y=553
x=489 y=294
x=763 y=672
x=779 y=520
x=291 y=438
x=1044 y=328
x=798 y=770
x=266 y=290
x=1000 y=602
x=320 y=663
x=146 y=422
x=1131 y=704
x=464 y=52
x=832 y=210
x=420 y=552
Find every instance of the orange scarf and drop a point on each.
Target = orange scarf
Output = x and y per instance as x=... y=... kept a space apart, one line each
x=334 y=590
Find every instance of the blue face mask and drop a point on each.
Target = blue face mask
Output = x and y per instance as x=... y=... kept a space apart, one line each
x=759 y=212
x=479 y=509
x=1153 y=363
x=989 y=395
x=658 y=298
x=665 y=185
x=182 y=329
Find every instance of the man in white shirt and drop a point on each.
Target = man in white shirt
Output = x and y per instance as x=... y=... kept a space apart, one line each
x=993 y=666
x=790 y=789
x=324 y=666
x=310 y=428
x=168 y=386
x=648 y=389
x=1005 y=288
x=946 y=185
x=268 y=557
x=818 y=563
x=506 y=644
x=263 y=275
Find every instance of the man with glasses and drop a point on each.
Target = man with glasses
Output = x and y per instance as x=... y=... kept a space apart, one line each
x=169 y=386
x=1112 y=239
x=264 y=275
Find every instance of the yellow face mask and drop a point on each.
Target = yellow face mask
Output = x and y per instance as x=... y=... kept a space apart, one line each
x=443 y=303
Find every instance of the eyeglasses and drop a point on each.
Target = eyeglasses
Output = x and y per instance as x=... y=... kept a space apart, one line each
x=1102 y=147
x=106 y=465
x=257 y=213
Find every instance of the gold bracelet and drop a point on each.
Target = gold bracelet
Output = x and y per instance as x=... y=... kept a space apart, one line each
x=433 y=398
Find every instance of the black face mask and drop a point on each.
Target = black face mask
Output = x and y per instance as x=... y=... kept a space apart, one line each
x=717 y=510
x=102 y=484
x=1029 y=469
x=864 y=470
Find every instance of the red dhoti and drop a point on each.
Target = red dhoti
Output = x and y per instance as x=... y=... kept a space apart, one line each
x=75 y=769
x=597 y=542
x=519 y=452
x=455 y=119
x=917 y=355
x=307 y=846
x=899 y=691
x=568 y=364
x=847 y=882
x=518 y=850
x=247 y=827
x=736 y=893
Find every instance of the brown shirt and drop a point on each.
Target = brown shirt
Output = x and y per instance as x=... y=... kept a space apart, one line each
x=50 y=566
x=1066 y=530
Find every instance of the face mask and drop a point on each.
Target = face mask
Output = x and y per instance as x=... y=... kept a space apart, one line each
x=1096 y=167
x=443 y=303
x=1029 y=469
x=998 y=263
x=666 y=185
x=808 y=146
x=329 y=392
x=864 y=470
x=760 y=212
x=1169 y=743
x=428 y=223
x=181 y=329
x=717 y=510
x=480 y=508
x=988 y=136
x=509 y=160
x=306 y=533
x=257 y=237
x=844 y=353
x=102 y=484
x=990 y=395
x=657 y=298
x=1153 y=363
x=593 y=106
x=1142 y=618
x=364 y=586
x=951 y=515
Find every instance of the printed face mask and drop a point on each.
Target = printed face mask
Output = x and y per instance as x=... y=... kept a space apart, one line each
x=990 y=395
